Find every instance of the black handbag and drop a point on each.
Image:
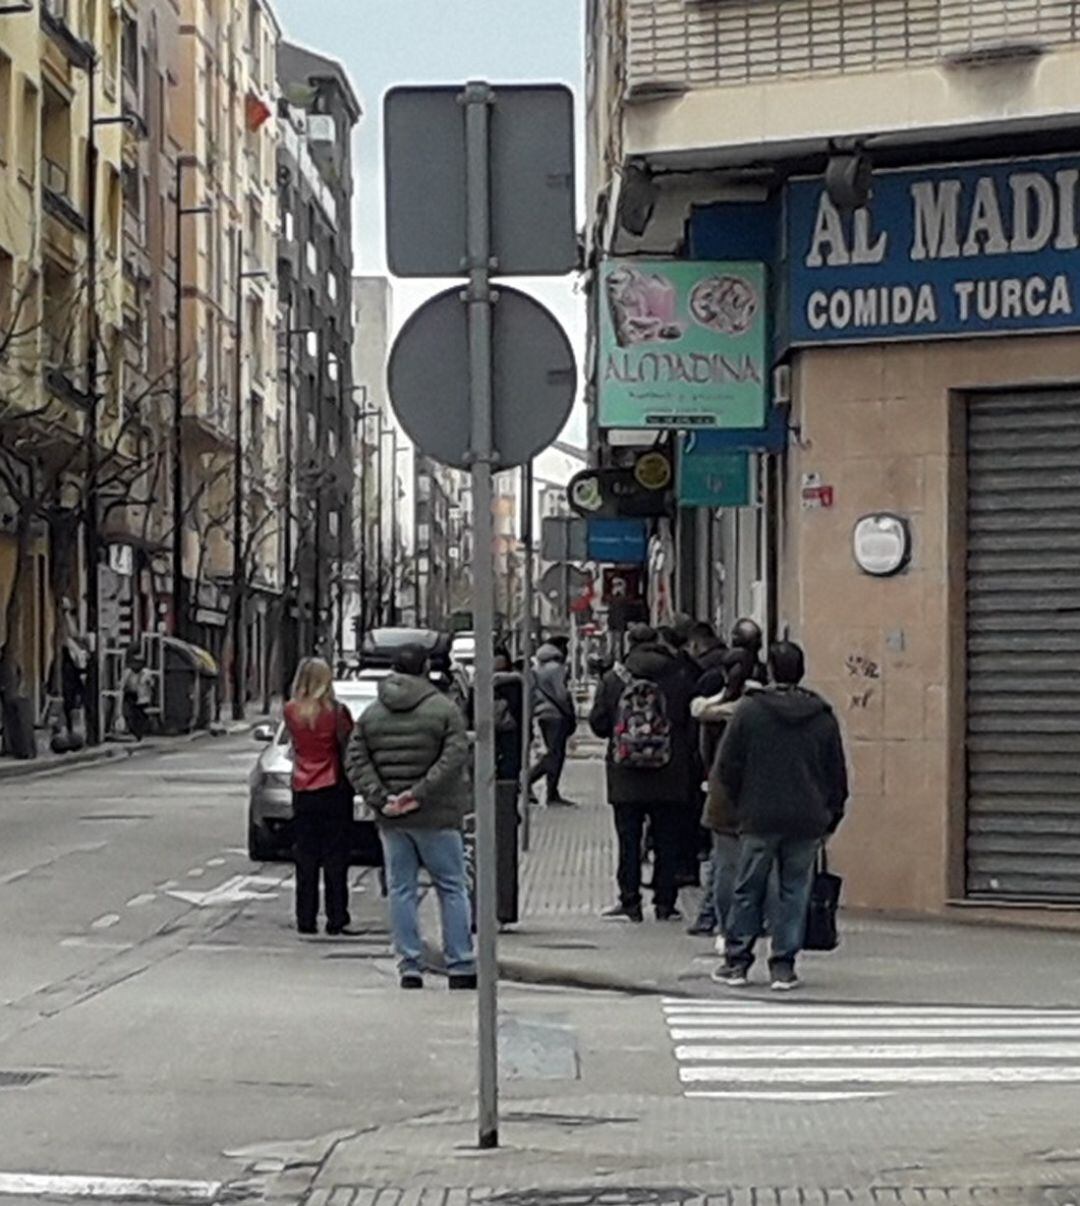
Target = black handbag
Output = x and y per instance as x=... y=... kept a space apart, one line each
x=822 y=933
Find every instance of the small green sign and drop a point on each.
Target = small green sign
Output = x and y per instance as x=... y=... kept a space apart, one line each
x=682 y=344
x=713 y=479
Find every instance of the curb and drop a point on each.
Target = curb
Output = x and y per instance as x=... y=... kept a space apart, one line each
x=522 y=971
x=33 y=768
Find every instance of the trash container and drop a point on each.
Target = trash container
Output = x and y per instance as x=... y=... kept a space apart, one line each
x=190 y=681
x=506 y=846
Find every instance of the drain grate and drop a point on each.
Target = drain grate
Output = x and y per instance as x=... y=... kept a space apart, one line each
x=20 y=1080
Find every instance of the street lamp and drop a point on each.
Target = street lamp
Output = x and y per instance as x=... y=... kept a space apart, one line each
x=291 y=333
x=181 y=211
x=91 y=525
x=394 y=526
x=239 y=642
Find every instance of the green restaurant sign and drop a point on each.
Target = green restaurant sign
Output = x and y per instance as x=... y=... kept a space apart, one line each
x=682 y=344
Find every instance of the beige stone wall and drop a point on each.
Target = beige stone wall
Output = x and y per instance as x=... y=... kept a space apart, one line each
x=884 y=425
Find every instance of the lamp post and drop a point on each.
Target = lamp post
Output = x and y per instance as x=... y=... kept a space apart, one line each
x=239 y=600
x=291 y=333
x=91 y=525
x=394 y=525
x=180 y=212
x=363 y=416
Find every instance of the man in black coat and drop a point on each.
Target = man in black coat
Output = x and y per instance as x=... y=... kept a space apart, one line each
x=782 y=766
x=653 y=794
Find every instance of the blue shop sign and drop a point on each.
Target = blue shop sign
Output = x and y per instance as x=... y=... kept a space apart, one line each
x=939 y=252
x=618 y=541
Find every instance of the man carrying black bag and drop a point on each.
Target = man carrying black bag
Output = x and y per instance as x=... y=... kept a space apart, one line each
x=782 y=765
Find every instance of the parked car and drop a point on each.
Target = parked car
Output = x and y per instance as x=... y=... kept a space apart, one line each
x=270 y=811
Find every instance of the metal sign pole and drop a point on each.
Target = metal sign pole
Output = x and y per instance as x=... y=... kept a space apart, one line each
x=528 y=608
x=477 y=100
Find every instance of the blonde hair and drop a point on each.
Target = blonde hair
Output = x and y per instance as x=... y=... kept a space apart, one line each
x=313 y=689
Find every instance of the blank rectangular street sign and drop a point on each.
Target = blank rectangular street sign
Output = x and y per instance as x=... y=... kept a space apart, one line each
x=534 y=231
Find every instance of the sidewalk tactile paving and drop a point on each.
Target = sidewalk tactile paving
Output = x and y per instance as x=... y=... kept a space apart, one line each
x=570 y=868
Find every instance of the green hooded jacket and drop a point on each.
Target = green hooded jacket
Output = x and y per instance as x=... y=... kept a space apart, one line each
x=412 y=739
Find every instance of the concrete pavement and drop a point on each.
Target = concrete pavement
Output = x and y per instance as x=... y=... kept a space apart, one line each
x=162 y=1024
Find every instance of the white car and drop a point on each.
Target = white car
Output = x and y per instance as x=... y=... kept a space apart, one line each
x=270 y=809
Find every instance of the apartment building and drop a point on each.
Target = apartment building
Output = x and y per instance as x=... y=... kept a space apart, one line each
x=903 y=177
x=59 y=196
x=225 y=224
x=319 y=111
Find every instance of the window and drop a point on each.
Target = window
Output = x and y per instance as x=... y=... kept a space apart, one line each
x=132 y=190
x=56 y=142
x=129 y=52
x=334 y=523
x=289 y=226
x=312 y=430
x=331 y=444
x=113 y=212
x=331 y=286
x=110 y=52
x=28 y=128
x=5 y=105
x=7 y=298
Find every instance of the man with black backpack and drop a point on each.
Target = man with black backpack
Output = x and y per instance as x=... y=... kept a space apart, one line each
x=642 y=708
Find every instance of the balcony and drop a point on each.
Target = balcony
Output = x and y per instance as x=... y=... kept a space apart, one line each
x=56 y=22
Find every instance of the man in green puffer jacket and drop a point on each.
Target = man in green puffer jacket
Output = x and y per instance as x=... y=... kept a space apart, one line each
x=407 y=757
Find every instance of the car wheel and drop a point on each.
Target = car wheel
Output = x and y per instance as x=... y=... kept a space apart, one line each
x=259 y=850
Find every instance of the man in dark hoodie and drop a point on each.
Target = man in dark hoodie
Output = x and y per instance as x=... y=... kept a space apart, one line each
x=407 y=757
x=782 y=766
x=640 y=794
x=555 y=715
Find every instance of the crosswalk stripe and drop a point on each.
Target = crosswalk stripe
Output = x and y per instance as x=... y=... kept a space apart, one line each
x=758 y=1050
x=886 y=1052
x=732 y=1033
x=1005 y=1075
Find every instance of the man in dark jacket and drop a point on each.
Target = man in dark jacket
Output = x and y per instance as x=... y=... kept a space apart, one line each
x=407 y=757
x=709 y=651
x=555 y=715
x=640 y=794
x=782 y=766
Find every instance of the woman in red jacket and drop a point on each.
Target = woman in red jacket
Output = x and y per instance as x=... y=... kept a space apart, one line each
x=319 y=727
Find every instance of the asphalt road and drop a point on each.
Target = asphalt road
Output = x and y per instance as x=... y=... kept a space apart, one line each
x=160 y=1020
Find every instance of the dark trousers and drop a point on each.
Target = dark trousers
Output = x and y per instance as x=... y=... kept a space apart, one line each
x=793 y=860
x=135 y=718
x=555 y=732
x=322 y=825
x=630 y=826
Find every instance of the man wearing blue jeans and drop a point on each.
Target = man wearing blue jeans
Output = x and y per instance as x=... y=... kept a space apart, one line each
x=783 y=769
x=407 y=757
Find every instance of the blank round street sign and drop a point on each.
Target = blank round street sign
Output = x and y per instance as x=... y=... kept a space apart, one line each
x=534 y=378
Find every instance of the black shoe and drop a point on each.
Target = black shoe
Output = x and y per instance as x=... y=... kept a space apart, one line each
x=307 y=929
x=463 y=983
x=701 y=929
x=344 y=931
x=412 y=980
x=621 y=912
x=665 y=914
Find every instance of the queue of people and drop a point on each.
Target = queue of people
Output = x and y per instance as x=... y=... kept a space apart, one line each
x=703 y=739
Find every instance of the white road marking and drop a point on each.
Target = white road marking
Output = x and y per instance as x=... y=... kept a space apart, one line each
x=144 y=898
x=757 y=1050
x=886 y=1052
x=14 y=876
x=729 y=1034
x=96 y=944
x=215 y=862
x=780 y=1095
x=115 y=1188
x=944 y=1075
x=196 y=872
x=236 y=890
x=169 y=883
x=105 y=922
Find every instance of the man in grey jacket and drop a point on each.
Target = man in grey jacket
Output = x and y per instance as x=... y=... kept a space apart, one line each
x=556 y=717
x=407 y=757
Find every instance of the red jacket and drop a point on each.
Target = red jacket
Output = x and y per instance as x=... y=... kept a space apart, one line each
x=318 y=747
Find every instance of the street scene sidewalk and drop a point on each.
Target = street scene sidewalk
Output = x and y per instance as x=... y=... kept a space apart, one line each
x=568 y=878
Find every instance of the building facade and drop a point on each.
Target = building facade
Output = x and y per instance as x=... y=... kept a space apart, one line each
x=923 y=300
x=59 y=197
x=224 y=224
x=318 y=114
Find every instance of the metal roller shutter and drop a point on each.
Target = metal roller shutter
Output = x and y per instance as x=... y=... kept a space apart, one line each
x=1023 y=642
